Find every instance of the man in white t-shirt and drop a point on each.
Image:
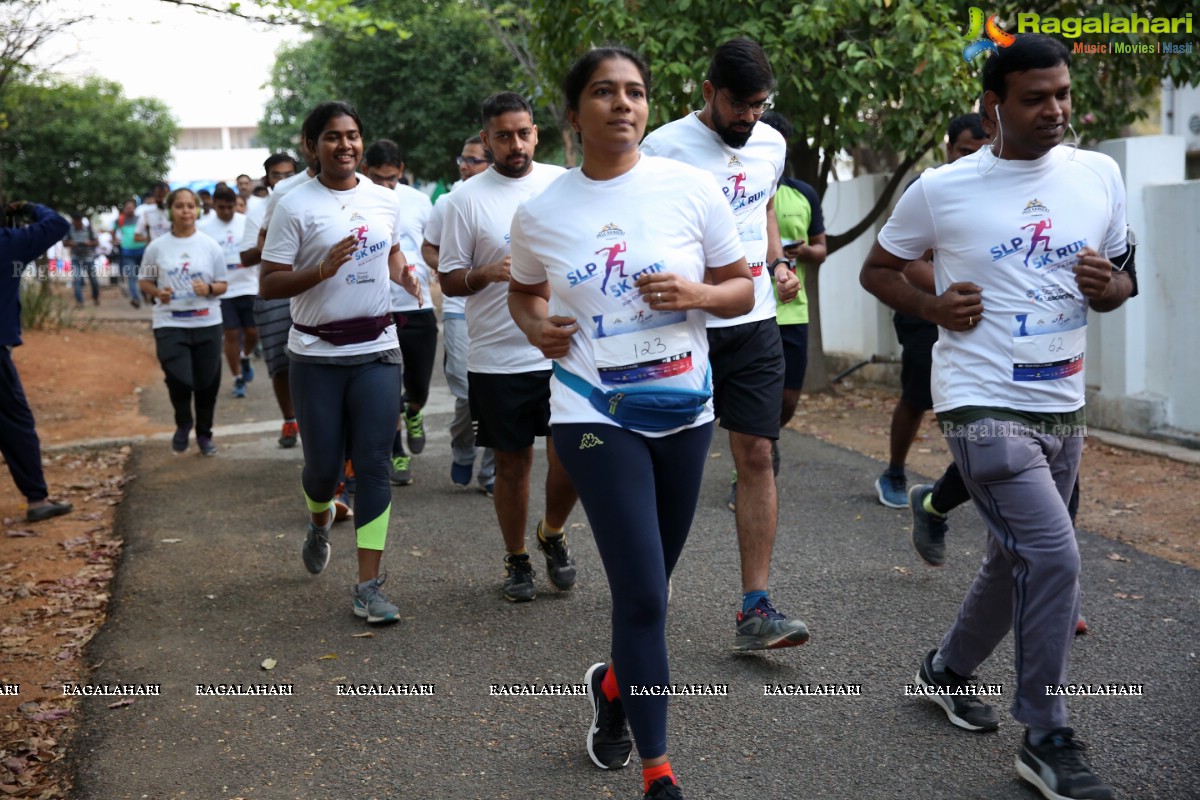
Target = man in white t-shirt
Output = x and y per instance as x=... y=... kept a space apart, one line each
x=416 y=323
x=1023 y=232
x=152 y=220
x=237 y=304
x=473 y=160
x=746 y=352
x=273 y=318
x=509 y=379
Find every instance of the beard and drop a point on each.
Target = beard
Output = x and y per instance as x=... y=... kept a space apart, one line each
x=510 y=171
x=736 y=134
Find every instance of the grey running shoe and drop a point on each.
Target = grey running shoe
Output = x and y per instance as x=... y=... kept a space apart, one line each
x=1056 y=768
x=205 y=443
x=956 y=697
x=928 y=530
x=764 y=628
x=518 y=582
x=371 y=604
x=608 y=741
x=401 y=470
x=560 y=565
x=316 y=549
x=414 y=427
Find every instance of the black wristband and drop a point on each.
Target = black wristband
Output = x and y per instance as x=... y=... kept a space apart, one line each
x=779 y=261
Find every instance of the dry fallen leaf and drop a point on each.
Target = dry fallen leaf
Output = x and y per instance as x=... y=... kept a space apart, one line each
x=268 y=663
x=327 y=657
x=20 y=534
x=125 y=701
x=171 y=541
x=364 y=635
x=901 y=570
x=1116 y=557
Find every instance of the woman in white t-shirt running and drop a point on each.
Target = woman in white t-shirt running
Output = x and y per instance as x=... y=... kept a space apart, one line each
x=184 y=272
x=608 y=279
x=333 y=247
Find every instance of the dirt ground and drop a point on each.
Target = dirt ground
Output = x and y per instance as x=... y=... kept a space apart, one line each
x=85 y=383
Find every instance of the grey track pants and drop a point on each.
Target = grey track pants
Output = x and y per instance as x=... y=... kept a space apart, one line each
x=1021 y=481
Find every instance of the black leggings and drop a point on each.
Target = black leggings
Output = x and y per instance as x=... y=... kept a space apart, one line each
x=640 y=495
x=418 y=335
x=191 y=363
x=355 y=406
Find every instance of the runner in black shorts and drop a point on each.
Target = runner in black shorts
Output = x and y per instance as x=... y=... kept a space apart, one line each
x=747 y=161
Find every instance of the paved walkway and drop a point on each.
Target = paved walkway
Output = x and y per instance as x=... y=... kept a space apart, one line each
x=211 y=584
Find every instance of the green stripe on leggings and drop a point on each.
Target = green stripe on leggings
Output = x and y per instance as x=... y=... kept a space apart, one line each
x=373 y=535
x=315 y=507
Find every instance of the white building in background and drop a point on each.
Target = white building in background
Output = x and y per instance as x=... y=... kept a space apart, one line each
x=213 y=147
x=1181 y=117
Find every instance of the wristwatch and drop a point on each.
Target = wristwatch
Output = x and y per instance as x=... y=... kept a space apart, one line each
x=779 y=261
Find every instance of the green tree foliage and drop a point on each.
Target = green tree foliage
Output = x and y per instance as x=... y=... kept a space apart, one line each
x=82 y=146
x=423 y=91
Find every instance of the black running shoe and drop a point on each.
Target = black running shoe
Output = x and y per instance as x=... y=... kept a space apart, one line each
x=518 y=580
x=608 y=741
x=1056 y=768
x=663 y=789
x=560 y=565
x=964 y=708
x=928 y=530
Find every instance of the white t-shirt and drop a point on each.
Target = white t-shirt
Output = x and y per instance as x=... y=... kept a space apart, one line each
x=174 y=261
x=748 y=177
x=415 y=209
x=433 y=235
x=475 y=232
x=591 y=240
x=256 y=203
x=1013 y=228
x=242 y=280
x=254 y=224
x=305 y=225
x=152 y=221
x=280 y=191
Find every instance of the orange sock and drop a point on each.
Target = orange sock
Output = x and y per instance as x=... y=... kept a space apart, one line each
x=651 y=774
x=608 y=685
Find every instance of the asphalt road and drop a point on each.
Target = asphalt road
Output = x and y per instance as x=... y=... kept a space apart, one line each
x=232 y=591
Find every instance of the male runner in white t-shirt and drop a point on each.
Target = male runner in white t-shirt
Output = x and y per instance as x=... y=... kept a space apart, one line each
x=237 y=304
x=746 y=352
x=416 y=324
x=471 y=161
x=509 y=379
x=1023 y=232
x=152 y=220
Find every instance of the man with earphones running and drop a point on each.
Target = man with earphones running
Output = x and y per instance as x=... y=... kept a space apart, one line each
x=1008 y=383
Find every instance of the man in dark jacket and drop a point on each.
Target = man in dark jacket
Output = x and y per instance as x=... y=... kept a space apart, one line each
x=18 y=438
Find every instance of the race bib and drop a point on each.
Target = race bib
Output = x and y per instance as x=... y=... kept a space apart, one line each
x=631 y=348
x=1048 y=347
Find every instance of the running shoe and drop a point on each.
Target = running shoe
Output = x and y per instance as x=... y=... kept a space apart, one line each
x=316 y=549
x=179 y=441
x=205 y=443
x=247 y=370
x=488 y=488
x=371 y=604
x=239 y=387
x=51 y=509
x=608 y=741
x=415 y=427
x=663 y=789
x=891 y=489
x=341 y=509
x=1081 y=626
x=764 y=628
x=290 y=435
x=518 y=580
x=1057 y=769
x=460 y=474
x=560 y=565
x=964 y=708
x=928 y=530
x=402 y=470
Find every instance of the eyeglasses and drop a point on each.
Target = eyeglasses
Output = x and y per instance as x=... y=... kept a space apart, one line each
x=280 y=176
x=475 y=162
x=739 y=107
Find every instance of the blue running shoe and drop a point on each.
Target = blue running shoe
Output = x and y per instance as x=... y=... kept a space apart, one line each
x=892 y=490
x=460 y=474
x=239 y=387
x=247 y=370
